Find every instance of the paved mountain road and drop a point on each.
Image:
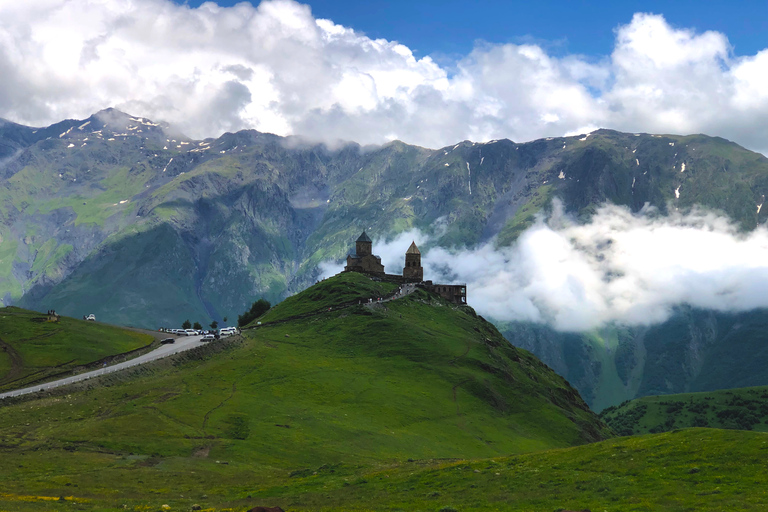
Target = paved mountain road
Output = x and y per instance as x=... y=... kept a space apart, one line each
x=181 y=345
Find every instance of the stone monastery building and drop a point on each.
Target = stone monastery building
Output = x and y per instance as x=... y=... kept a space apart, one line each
x=363 y=260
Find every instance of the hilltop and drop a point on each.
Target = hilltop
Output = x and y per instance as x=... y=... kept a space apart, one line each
x=353 y=389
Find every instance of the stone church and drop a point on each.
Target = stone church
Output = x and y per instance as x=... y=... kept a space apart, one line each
x=363 y=260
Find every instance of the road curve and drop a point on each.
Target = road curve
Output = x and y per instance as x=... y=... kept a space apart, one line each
x=181 y=345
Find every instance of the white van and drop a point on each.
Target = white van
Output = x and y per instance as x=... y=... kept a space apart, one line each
x=227 y=331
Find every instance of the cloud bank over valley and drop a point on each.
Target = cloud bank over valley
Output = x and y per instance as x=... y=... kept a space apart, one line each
x=276 y=68
x=620 y=268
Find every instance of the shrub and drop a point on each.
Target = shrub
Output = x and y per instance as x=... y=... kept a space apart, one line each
x=258 y=308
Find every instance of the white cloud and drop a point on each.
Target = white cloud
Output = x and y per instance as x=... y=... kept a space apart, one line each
x=276 y=68
x=624 y=268
x=620 y=268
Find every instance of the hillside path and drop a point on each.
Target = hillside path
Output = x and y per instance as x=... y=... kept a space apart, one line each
x=181 y=345
x=403 y=291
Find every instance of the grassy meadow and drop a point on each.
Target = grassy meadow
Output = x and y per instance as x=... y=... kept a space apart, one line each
x=684 y=470
x=411 y=405
x=348 y=392
x=33 y=349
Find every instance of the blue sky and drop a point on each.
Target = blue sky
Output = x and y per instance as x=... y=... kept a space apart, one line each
x=449 y=28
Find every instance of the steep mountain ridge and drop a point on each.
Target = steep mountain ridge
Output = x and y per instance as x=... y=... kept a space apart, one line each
x=256 y=213
x=120 y=216
x=695 y=350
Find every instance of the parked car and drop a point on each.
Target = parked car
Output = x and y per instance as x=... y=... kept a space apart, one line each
x=208 y=337
x=166 y=341
x=91 y=317
x=191 y=332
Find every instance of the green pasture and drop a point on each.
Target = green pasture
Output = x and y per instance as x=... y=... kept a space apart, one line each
x=344 y=394
x=692 y=469
x=34 y=349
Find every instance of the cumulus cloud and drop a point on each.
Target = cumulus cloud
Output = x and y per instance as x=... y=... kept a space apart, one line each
x=276 y=68
x=622 y=268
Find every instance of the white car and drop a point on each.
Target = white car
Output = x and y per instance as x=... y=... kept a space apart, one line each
x=191 y=332
x=91 y=317
x=208 y=337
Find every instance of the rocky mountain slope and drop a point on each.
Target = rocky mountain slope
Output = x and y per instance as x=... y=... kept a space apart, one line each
x=120 y=216
x=695 y=350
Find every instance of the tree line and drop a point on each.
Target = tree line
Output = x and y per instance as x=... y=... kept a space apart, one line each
x=257 y=309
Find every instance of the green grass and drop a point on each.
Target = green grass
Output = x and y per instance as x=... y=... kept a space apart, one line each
x=347 y=393
x=743 y=408
x=688 y=470
x=695 y=469
x=331 y=293
x=43 y=349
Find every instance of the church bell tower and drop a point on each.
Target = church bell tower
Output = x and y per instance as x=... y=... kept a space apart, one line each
x=363 y=245
x=413 y=269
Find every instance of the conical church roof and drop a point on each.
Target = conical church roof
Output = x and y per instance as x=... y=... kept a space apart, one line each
x=364 y=238
x=413 y=249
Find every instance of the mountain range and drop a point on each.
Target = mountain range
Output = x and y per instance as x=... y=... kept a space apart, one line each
x=126 y=218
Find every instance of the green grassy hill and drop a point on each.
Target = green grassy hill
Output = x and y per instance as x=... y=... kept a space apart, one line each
x=344 y=392
x=33 y=349
x=743 y=409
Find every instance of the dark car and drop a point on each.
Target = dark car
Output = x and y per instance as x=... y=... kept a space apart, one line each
x=167 y=341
